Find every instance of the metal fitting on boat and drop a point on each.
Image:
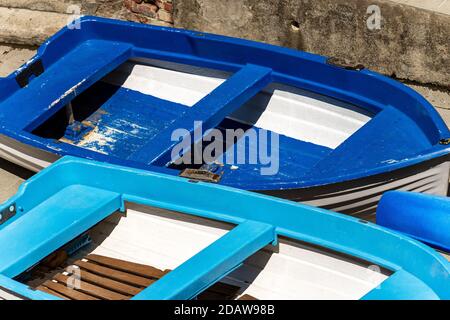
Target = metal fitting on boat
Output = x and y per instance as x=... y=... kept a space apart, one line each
x=7 y=213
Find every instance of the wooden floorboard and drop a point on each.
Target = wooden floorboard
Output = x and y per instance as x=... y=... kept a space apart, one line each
x=104 y=278
x=115 y=274
x=129 y=267
x=70 y=293
x=107 y=283
x=91 y=289
x=52 y=292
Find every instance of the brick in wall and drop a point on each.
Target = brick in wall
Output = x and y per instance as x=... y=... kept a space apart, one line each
x=150 y=11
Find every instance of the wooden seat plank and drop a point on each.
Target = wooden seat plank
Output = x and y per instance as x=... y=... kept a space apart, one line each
x=114 y=274
x=70 y=293
x=91 y=289
x=130 y=267
x=107 y=283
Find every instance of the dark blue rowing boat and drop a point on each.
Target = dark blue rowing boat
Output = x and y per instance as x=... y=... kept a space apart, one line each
x=333 y=135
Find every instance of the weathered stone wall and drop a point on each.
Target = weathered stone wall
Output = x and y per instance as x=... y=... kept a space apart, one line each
x=156 y=11
x=30 y=22
x=89 y=7
x=150 y=11
x=412 y=43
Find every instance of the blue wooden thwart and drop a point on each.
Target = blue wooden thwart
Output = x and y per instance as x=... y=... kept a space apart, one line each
x=212 y=263
x=211 y=111
x=64 y=200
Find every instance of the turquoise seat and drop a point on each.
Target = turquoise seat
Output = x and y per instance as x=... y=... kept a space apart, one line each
x=51 y=224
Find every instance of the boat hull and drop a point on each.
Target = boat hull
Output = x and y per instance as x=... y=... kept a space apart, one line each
x=24 y=155
x=358 y=198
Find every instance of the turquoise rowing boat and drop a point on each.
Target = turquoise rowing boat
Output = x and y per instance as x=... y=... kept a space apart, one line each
x=134 y=234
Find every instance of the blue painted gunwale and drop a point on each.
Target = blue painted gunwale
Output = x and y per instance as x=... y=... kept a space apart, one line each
x=419 y=272
x=365 y=89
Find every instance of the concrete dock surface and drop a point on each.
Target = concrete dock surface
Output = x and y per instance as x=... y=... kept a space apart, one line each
x=441 y=6
x=11 y=176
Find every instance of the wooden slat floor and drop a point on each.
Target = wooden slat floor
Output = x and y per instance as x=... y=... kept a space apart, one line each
x=98 y=277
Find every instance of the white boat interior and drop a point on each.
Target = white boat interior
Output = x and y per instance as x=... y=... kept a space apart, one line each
x=279 y=108
x=121 y=114
x=165 y=239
